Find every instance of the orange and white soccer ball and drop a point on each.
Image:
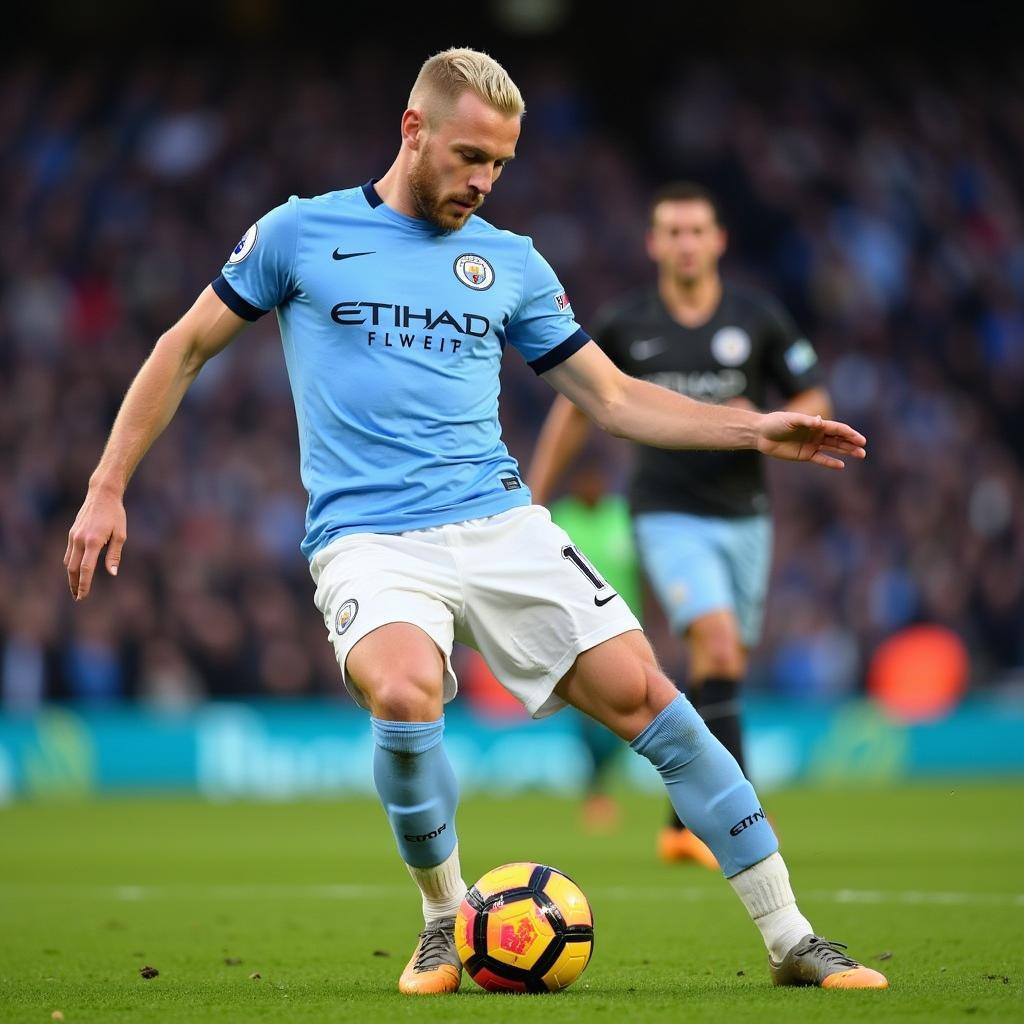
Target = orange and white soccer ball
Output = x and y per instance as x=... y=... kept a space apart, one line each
x=525 y=928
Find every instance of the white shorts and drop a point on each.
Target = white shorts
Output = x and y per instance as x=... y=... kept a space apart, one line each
x=512 y=585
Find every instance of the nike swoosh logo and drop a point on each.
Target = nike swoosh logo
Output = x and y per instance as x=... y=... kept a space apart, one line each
x=338 y=255
x=647 y=348
x=601 y=602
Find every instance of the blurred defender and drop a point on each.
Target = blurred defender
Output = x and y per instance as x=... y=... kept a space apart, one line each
x=701 y=518
x=395 y=303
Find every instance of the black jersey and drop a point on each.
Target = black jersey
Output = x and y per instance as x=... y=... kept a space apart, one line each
x=749 y=348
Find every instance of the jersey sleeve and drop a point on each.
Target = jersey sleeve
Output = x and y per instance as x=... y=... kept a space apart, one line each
x=543 y=328
x=792 y=363
x=260 y=272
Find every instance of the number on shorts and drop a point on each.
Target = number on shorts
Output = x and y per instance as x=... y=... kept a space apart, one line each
x=574 y=555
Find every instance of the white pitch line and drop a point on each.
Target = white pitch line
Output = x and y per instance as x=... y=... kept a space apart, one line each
x=922 y=896
x=343 y=892
x=909 y=896
x=243 y=891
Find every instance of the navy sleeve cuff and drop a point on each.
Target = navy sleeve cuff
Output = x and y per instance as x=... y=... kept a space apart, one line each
x=234 y=301
x=561 y=352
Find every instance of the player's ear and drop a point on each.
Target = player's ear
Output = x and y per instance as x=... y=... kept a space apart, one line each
x=413 y=126
x=652 y=252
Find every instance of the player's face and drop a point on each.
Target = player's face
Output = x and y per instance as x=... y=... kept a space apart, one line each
x=685 y=240
x=457 y=162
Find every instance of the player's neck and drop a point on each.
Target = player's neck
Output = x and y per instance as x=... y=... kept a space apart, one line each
x=394 y=190
x=692 y=303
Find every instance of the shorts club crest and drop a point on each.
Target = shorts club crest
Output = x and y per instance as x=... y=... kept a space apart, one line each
x=346 y=616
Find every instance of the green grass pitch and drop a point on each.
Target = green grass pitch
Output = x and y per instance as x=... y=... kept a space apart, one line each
x=925 y=882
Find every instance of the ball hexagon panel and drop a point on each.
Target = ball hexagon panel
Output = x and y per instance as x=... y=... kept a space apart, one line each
x=569 y=965
x=569 y=899
x=508 y=876
x=518 y=933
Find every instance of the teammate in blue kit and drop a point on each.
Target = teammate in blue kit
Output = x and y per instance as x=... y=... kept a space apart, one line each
x=395 y=303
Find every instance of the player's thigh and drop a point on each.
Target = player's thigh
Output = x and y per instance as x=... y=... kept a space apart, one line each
x=533 y=602
x=619 y=684
x=387 y=603
x=684 y=563
x=748 y=547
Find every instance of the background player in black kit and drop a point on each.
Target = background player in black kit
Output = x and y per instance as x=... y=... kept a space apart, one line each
x=701 y=518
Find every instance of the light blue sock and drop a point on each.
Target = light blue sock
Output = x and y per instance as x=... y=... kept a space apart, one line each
x=707 y=788
x=417 y=787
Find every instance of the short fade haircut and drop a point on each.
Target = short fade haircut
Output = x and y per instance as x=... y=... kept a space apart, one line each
x=685 y=192
x=448 y=74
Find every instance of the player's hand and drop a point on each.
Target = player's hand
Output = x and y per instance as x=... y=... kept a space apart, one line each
x=801 y=438
x=100 y=523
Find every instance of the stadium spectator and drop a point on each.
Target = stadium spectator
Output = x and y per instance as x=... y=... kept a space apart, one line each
x=885 y=209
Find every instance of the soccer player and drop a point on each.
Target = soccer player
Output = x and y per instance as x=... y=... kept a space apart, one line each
x=395 y=302
x=701 y=518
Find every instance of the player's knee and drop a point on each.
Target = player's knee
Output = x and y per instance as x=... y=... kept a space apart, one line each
x=721 y=662
x=411 y=693
x=660 y=691
x=717 y=651
x=406 y=700
x=643 y=697
x=673 y=739
x=619 y=684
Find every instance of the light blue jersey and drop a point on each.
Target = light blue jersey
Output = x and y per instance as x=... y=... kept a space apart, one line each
x=393 y=334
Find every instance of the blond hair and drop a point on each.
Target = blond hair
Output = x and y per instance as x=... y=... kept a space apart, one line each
x=448 y=74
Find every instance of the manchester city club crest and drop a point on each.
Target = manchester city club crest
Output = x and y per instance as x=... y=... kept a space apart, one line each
x=474 y=271
x=346 y=616
x=731 y=346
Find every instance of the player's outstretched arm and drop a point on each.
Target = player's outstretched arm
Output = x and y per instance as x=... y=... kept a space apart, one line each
x=644 y=412
x=561 y=437
x=147 y=408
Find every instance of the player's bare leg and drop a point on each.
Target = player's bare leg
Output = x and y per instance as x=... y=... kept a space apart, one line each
x=600 y=810
x=620 y=684
x=399 y=672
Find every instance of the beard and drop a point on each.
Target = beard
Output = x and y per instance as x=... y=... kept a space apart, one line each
x=431 y=205
x=692 y=275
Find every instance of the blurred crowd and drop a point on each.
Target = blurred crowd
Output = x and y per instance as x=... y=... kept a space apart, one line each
x=884 y=208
